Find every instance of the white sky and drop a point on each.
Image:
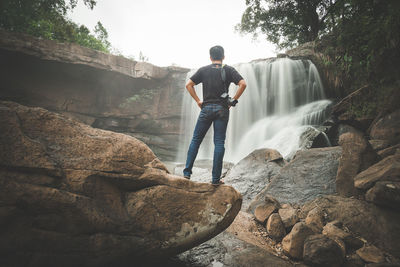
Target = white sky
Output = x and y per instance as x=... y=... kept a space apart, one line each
x=175 y=31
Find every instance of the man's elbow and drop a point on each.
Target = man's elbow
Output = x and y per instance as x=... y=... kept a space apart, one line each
x=243 y=84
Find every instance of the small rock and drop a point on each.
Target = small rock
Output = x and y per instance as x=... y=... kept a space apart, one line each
x=275 y=227
x=389 y=151
x=262 y=209
x=289 y=216
x=292 y=243
x=315 y=219
x=332 y=231
x=379 y=144
x=319 y=250
x=371 y=254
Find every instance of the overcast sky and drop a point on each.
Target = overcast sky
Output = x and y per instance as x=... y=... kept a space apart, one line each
x=175 y=31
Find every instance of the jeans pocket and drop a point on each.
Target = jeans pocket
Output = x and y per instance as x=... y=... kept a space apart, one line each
x=223 y=114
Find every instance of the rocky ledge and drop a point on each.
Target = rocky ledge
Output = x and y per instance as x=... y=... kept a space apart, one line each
x=102 y=90
x=72 y=195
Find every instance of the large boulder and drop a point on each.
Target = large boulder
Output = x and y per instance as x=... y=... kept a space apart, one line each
x=72 y=195
x=376 y=225
x=310 y=174
x=250 y=175
x=357 y=155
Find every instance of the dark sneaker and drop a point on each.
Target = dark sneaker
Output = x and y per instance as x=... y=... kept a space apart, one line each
x=187 y=177
x=218 y=183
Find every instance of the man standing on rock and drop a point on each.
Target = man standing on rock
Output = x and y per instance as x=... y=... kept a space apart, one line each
x=215 y=106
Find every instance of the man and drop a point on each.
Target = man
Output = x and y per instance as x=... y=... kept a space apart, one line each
x=215 y=106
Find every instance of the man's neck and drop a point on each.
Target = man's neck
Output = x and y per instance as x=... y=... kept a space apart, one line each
x=216 y=62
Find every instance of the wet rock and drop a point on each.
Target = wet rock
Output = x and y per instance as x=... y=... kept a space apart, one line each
x=275 y=227
x=315 y=219
x=319 y=250
x=357 y=155
x=310 y=174
x=292 y=244
x=250 y=175
x=289 y=216
x=263 y=207
x=367 y=220
x=332 y=231
x=387 y=169
x=387 y=128
x=314 y=138
x=371 y=254
x=79 y=191
x=385 y=193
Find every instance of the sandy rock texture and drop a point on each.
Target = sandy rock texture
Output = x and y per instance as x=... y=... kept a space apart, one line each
x=72 y=195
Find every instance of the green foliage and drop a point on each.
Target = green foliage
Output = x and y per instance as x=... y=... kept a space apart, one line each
x=143 y=95
x=287 y=23
x=47 y=19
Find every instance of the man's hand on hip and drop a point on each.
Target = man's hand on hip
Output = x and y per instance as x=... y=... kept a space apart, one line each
x=200 y=103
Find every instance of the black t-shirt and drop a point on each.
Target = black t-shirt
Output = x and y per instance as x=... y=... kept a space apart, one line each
x=213 y=85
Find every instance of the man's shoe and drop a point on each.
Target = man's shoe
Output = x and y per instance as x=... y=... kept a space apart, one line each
x=220 y=182
x=187 y=177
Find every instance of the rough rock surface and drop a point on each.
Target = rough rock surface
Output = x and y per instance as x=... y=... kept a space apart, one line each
x=387 y=169
x=364 y=219
x=387 y=128
x=289 y=216
x=319 y=250
x=332 y=231
x=102 y=90
x=310 y=174
x=293 y=243
x=237 y=246
x=275 y=227
x=263 y=207
x=357 y=155
x=74 y=195
x=315 y=219
x=385 y=193
x=371 y=254
x=250 y=175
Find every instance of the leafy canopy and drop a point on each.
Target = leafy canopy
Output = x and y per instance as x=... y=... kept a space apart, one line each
x=48 y=19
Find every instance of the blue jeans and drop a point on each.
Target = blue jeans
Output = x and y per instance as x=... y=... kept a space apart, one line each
x=218 y=115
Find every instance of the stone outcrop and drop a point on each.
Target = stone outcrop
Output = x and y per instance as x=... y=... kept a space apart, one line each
x=102 y=90
x=387 y=128
x=357 y=155
x=72 y=195
x=310 y=174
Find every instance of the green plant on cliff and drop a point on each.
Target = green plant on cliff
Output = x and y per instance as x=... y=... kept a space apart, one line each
x=48 y=19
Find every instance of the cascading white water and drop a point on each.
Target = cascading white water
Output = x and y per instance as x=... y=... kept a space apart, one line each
x=282 y=98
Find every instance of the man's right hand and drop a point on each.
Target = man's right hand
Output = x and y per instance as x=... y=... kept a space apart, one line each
x=200 y=104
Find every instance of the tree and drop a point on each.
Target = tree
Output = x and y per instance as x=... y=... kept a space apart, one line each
x=47 y=19
x=287 y=23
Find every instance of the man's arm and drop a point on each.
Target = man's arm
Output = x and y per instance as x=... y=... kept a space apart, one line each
x=190 y=87
x=242 y=85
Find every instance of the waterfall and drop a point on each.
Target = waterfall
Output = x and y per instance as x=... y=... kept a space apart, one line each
x=283 y=97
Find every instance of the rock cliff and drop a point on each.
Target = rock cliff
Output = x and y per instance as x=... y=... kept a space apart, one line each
x=72 y=195
x=101 y=90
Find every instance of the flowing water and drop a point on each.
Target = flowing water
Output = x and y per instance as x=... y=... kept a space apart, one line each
x=282 y=99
